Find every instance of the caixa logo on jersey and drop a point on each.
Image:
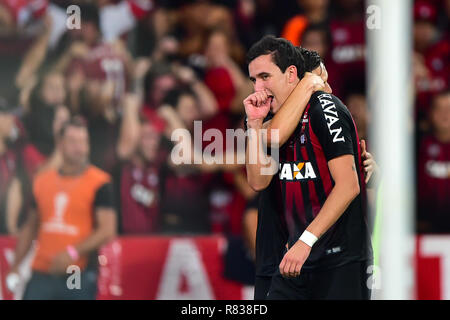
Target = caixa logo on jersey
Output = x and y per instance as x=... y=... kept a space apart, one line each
x=293 y=171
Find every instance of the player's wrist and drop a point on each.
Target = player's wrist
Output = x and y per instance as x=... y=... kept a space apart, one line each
x=73 y=253
x=12 y=280
x=308 y=238
x=254 y=123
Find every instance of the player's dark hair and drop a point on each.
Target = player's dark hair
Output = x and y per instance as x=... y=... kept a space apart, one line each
x=156 y=71
x=75 y=121
x=311 y=59
x=283 y=52
x=172 y=98
x=89 y=13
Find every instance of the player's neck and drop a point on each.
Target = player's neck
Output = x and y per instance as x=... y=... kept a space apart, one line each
x=68 y=169
x=316 y=16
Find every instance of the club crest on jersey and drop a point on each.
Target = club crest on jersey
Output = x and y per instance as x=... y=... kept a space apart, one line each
x=302 y=139
x=293 y=171
x=331 y=116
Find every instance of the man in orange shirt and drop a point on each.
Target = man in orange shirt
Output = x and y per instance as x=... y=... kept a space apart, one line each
x=72 y=217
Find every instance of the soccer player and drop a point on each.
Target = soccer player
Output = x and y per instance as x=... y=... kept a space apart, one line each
x=271 y=236
x=72 y=217
x=317 y=189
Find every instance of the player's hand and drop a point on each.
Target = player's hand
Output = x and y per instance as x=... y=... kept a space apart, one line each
x=368 y=161
x=131 y=102
x=184 y=74
x=257 y=105
x=294 y=259
x=60 y=263
x=313 y=82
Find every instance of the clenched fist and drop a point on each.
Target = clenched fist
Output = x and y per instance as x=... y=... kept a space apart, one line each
x=257 y=105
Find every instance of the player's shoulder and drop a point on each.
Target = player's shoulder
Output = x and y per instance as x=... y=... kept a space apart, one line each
x=322 y=99
x=323 y=103
x=45 y=176
x=97 y=175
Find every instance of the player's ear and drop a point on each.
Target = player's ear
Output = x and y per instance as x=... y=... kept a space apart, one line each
x=324 y=74
x=292 y=74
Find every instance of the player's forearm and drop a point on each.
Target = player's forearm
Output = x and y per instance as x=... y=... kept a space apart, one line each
x=207 y=101
x=129 y=131
x=337 y=202
x=95 y=240
x=289 y=115
x=33 y=59
x=27 y=234
x=255 y=159
x=13 y=205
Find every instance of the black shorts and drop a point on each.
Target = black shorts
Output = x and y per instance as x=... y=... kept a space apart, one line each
x=348 y=282
x=262 y=286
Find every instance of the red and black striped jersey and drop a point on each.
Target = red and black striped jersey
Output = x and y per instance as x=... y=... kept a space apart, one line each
x=325 y=132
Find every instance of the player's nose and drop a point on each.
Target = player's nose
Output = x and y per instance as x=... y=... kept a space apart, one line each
x=259 y=85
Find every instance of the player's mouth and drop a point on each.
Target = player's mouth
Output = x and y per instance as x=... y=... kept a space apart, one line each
x=271 y=98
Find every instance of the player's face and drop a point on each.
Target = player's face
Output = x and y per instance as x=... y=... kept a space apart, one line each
x=440 y=114
x=74 y=146
x=149 y=142
x=161 y=86
x=315 y=40
x=53 y=90
x=266 y=75
x=90 y=33
x=187 y=110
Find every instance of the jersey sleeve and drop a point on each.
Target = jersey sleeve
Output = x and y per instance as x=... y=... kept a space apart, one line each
x=105 y=196
x=332 y=124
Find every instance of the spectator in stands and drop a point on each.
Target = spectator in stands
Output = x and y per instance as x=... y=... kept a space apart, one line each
x=185 y=201
x=19 y=161
x=54 y=160
x=225 y=79
x=99 y=74
x=317 y=37
x=72 y=216
x=158 y=81
x=357 y=105
x=312 y=12
x=434 y=170
x=223 y=75
x=433 y=51
x=139 y=176
x=348 y=47
x=196 y=18
x=48 y=94
x=106 y=62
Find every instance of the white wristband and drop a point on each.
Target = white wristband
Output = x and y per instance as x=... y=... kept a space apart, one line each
x=308 y=238
x=12 y=280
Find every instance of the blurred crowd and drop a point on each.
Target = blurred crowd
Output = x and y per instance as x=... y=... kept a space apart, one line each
x=138 y=69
